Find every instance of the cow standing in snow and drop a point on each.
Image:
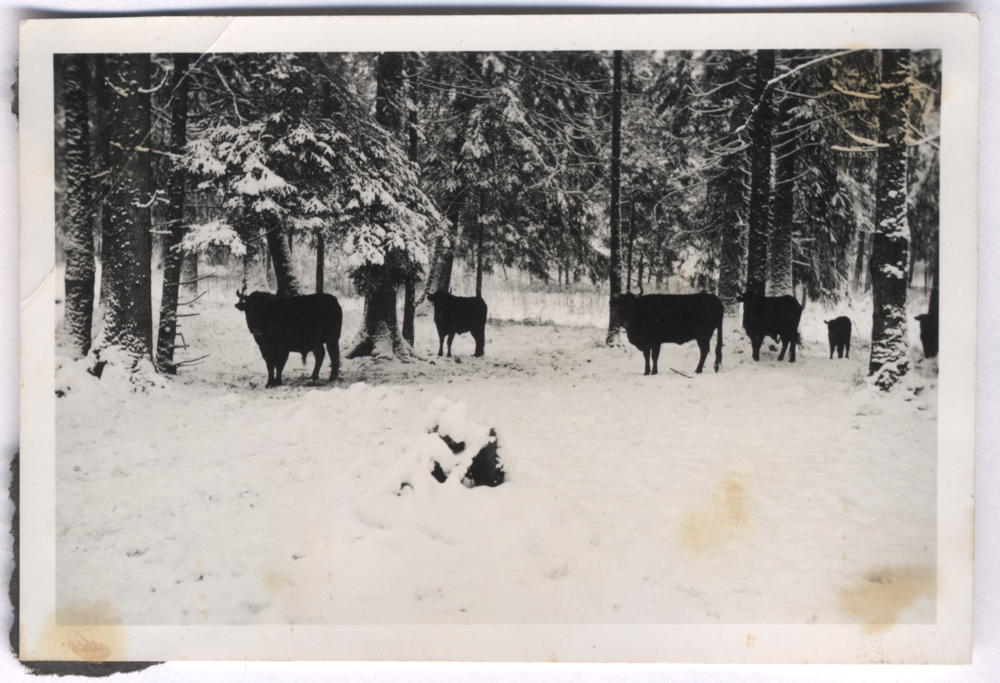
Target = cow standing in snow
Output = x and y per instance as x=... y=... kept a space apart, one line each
x=458 y=315
x=771 y=316
x=838 y=331
x=303 y=324
x=656 y=319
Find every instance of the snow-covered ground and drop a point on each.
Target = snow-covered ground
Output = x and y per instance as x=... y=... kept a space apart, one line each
x=769 y=492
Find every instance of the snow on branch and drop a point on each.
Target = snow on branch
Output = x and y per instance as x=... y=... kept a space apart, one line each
x=771 y=83
x=147 y=91
x=852 y=93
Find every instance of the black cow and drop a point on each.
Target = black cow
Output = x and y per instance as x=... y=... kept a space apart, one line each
x=929 y=333
x=303 y=324
x=458 y=315
x=771 y=316
x=656 y=319
x=838 y=331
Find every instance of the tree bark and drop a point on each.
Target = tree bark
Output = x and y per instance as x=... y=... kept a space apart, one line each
x=783 y=207
x=172 y=256
x=127 y=334
x=413 y=154
x=760 y=175
x=859 y=261
x=379 y=334
x=890 y=242
x=320 y=261
x=281 y=258
x=615 y=211
x=79 y=205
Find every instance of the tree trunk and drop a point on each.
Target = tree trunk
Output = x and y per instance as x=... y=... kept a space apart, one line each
x=481 y=225
x=379 y=334
x=320 y=260
x=79 y=205
x=631 y=244
x=189 y=275
x=413 y=154
x=891 y=240
x=760 y=175
x=127 y=335
x=255 y=264
x=172 y=256
x=728 y=194
x=783 y=207
x=859 y=261
x=281 y=258
x=615 y=268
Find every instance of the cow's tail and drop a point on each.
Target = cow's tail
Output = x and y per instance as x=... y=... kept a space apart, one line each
x=718 y=346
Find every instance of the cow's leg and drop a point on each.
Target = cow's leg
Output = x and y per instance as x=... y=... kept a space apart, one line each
x=480 y=337
x=784 y=347
x=755 y=344
x=831 y=350
x=320 y=354
x=451 y=338
x=645 y=355
x=440 y=343
x=840 y=350
x=791 y=353
x=847 y=348
x=279 y=364
x=270 y=374
x=704 y=345
x=656 y=358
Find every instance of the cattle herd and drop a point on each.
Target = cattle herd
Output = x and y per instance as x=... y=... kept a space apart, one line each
x=306 y=324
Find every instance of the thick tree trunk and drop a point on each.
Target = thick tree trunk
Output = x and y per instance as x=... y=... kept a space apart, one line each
x=783 y=208
x=79 y=205
x=413 y=154
x=281 y=260
x=615 y=267
x=127 y=334
x=172 y=256
x=631 y=247
x=891 y=240
x=379 y=334
x=760 y=175
x=255 y=264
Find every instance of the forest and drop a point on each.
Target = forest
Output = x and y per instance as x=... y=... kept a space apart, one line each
x=803 y=172
x=550 y=184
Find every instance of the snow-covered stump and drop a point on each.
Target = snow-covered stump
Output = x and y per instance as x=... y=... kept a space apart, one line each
x=455 y=450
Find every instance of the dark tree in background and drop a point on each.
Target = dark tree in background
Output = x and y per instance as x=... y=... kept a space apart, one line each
x=127 y=334
x=615 y=208
x=760 y=174
x=379 y=334
x=79 y=204
x=172 y=255
x=891 y=239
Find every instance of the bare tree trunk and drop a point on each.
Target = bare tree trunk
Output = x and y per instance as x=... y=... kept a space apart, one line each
x=859 y=261
x=320 y=260
x=413 y=154
x=631 y=243
x=782 y=207
x=127 y=335
x=189 y=275
x=79 y=204
x=615 y=267
x=379 y=334
x=760 y=179
x=891 y=240
x=281 y=259
x=172 y=256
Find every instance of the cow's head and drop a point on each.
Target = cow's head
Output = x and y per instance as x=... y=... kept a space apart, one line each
x=747 y=295
x=623 y=308
x=440 y=295
x=241 y=304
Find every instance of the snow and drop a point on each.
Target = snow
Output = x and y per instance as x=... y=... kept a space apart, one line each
x=768 y=492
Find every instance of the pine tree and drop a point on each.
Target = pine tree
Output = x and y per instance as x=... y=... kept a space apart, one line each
x=126 y=338
x=890 y=247
x=615 y=209
x=79 y=204
x=760 y=174
x=172 y=255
